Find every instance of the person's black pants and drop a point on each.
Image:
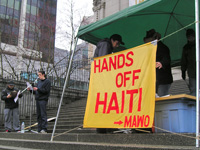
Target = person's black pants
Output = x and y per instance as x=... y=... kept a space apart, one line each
x=41 y=115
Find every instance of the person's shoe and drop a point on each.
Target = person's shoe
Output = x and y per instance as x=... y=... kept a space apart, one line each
x=8 y=131
x=43 y=132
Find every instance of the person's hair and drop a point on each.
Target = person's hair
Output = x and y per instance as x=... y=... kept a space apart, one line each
x=117 y=37
x=42 y=72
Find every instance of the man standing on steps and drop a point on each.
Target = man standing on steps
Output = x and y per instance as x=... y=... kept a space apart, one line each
x=42 y=92
x=11 y=112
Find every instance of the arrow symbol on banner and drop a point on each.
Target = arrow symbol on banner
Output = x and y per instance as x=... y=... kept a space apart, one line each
x=119 y=122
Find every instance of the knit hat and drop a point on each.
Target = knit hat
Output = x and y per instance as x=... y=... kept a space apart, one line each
x=11 y=83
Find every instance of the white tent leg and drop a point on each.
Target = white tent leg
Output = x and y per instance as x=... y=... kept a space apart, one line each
x=197 y=69
x=64 y=87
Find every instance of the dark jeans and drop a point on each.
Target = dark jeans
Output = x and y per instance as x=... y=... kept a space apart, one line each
x=192 y=86
x=41 y=115
x=163 y=89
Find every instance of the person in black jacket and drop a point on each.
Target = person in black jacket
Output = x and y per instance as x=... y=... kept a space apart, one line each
x=163 y=64
x=188 y=61
x=106 y=46
x=42 y=92
x=11 y=112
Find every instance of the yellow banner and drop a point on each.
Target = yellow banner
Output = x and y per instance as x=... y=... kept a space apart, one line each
x=122 y=89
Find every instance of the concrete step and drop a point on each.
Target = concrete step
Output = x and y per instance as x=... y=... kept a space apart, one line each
x=59 y=145
x=77 y=131
x=66 y=127
x=136 y=138
x=15 y=148
x=62 y=113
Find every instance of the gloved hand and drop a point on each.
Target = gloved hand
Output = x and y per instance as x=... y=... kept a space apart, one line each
x=20 y=95
x=183 y=75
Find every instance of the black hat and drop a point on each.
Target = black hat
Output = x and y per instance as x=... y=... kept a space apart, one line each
x=11 y=83
x=152 y=34
x=117 y=37
x=190 y=32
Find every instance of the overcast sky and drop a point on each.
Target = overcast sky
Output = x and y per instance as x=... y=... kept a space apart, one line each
x=81 y=8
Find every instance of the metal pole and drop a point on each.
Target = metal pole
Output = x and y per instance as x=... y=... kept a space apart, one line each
x=197 y=69
x=66 y=81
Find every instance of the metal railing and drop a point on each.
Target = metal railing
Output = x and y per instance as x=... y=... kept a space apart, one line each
x=76 y=89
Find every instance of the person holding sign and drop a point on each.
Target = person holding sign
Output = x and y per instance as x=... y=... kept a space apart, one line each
x=106 y=46
x=163 y=64
x=11 y=112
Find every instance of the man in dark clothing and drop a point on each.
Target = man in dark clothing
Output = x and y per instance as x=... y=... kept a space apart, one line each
x=106 y=46
x=163 y=64
x=42 y=92
x=11 y=112
x=188 y=61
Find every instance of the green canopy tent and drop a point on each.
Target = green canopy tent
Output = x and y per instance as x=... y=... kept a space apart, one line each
x=165 y=16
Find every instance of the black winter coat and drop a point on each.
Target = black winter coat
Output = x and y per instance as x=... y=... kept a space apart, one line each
x=163 y=75
x=43 y=92
x=9 y=102
x=188 y=61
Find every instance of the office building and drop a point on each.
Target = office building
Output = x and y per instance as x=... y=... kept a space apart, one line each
x=28 y=29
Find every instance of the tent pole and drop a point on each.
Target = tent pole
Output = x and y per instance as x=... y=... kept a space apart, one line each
x=197 y=69
x=64 y=87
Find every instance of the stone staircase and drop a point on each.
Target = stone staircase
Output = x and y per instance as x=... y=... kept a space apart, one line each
x=76 y=138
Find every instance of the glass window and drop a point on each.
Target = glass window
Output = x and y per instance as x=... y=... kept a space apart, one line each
x=17 y=5
x=28 y=9
x=5 y=37
x=26 y=34
x=15 y=22
x=2 y=16
x=2 y=27
x=15 y=31
x=32 y=27
x=34 y=2
x=5 y=21
x=41 y=4
x=11 y=3
x=2 y=9
x=29 y=2
x=31 y=35
x=53 y=11
x=14 y=40
x=9 y=11
x=7 y=29
x=4 y=3
x=33 y=10
x=30 y=44
x=27 y=26
x=16 y=14
x=36 y=46
x=32 y=18
x=25 y=42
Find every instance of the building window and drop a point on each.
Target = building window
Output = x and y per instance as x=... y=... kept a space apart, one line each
x=9 y=13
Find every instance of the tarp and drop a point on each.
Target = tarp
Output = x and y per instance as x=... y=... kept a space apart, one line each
x=165 y=16
x=122 y=89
